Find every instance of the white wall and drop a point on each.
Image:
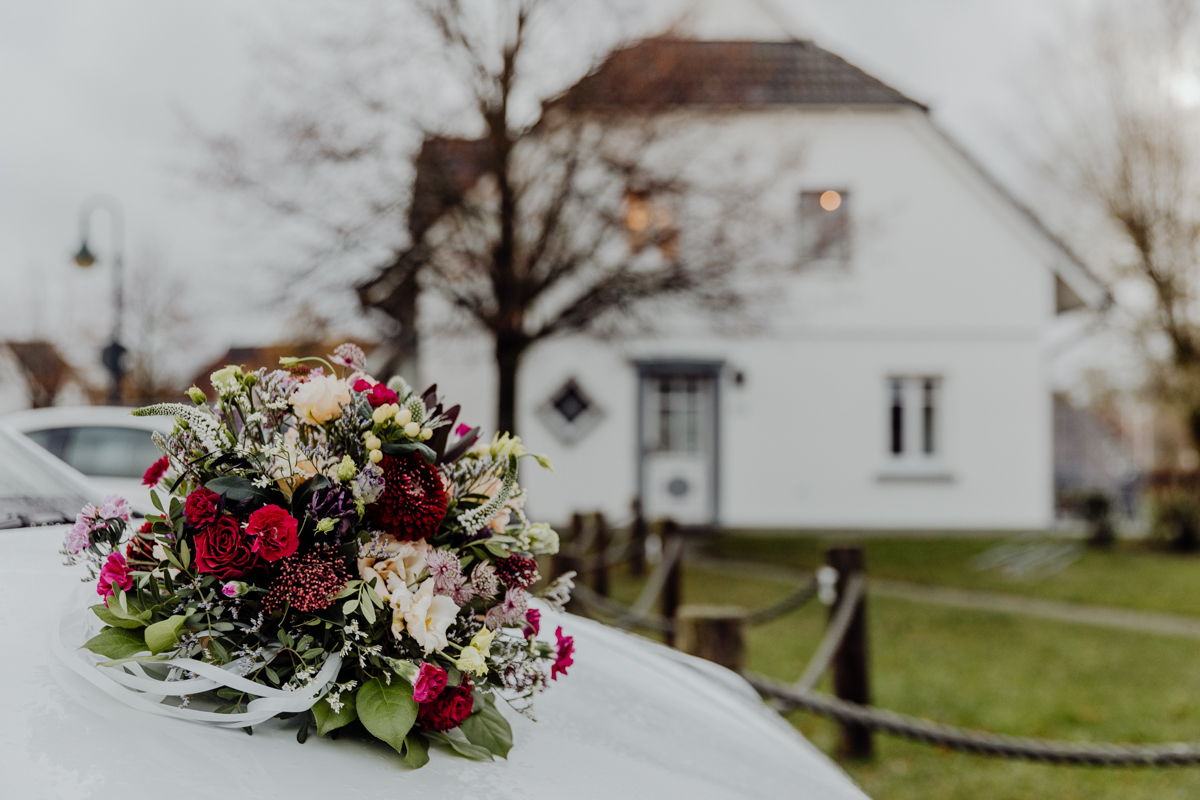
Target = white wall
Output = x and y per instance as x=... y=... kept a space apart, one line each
x=947 y=279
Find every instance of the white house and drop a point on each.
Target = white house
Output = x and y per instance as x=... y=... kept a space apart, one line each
x=901 y=382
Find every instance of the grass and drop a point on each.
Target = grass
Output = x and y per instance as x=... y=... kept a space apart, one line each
x=996 y=672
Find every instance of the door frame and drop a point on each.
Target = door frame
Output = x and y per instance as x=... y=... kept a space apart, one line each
x=657 y=368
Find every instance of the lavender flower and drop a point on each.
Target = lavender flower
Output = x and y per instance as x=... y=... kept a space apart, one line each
x=484 y=581
x=510 y=611
x=368 y=484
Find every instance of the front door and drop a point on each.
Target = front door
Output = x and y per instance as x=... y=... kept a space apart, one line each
x=679 y=440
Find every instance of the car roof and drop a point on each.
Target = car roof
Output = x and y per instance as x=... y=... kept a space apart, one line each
x=40 y=419
x=632 y=719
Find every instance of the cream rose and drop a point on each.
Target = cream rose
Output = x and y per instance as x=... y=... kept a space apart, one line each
x=423 y=614
x=402 y=564
x=317 y=400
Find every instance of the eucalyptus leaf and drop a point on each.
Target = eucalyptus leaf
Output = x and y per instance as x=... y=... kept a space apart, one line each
x=387 y=712
x=163 y=635
x=117 y=643
x=458 y=742
x=330 y=720
x=239 y=490
x=416 y=750
x=488 y=728
x=404 y=448
x=115 y=620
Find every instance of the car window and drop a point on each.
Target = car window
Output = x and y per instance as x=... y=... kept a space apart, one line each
x=110 y=452
x=31 y=492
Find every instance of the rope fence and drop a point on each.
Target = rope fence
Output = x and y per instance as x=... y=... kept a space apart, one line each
x=842 y=649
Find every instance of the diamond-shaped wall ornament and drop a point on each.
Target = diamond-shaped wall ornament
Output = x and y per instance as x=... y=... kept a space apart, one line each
x=570 y=413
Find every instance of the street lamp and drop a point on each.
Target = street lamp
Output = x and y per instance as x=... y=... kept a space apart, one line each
x=113 y=355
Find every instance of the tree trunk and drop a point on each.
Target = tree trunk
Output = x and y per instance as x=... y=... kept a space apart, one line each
x=508 y=360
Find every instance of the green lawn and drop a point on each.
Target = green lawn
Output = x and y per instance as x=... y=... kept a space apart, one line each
x=996 y=672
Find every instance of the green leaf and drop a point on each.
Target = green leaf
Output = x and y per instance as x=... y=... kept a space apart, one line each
x=497 y=549
x=404 y=448
x=157 y=503
x=330 y=720
x=238 y=489
x=416 y=750
x=163 y=635
x=488 y=728
x=118 y=661
x=185 y=555
x=368 y=608
x=115 y=620
x=460 y=745
x=349 y=606
x=387 y=712
x=117 y=643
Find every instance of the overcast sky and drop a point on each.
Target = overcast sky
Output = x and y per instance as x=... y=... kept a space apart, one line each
x=91 y=90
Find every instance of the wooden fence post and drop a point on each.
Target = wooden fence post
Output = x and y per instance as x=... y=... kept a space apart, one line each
x=672 y=588
x=637 y=542
x=851 y=678
x=715 y=633
x=600 y=557
x=567 y=559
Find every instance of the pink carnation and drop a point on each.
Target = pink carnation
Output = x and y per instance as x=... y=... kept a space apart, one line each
x=155 y=472
x=431 y=680
x=563 y=654
x=533 y=622
x=114 y=571
x=115 y=507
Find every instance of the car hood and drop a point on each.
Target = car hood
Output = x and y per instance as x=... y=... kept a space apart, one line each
x=633 y=719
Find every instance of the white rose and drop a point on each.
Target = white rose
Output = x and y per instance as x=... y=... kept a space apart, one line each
x=425 y=615
x=317 y=400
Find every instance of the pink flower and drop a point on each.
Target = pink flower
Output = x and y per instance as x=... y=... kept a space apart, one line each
x=431 y=680
x=446 y=571
x=156 y=471
x=562 y=654
x=275 y=533
x=80 y=536
x=231 y=589
x=377 y=393
x=533 y=622
x=462 y=430
x=115 y=507
x=114 y=571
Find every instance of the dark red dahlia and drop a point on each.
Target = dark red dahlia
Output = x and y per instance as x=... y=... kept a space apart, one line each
x=516 y=572
x=307 y=582
x=448 y=710
x=414 y=500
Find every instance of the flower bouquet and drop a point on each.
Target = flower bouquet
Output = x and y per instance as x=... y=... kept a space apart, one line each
x=330 y=547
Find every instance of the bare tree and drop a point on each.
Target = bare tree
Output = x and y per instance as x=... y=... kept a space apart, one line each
x=159 y=327
x=532 y=214
x=1126 y=127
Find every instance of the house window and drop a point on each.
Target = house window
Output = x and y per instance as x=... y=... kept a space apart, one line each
x=570 y=412
x=825 y=225
x=913 y=416
x=650 y=223
x=676 y=408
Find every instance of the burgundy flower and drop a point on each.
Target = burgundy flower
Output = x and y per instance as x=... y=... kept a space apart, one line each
x=201 y=507
x=275 y=533
x=414 y=500
x=116 y=571
x=222 y=549
x=517 y=572
x=377 y=394
x=562 y=654
x=448 y=710
x=155 y=472
x=308 y=582
x=533 y=622
x=431 y=680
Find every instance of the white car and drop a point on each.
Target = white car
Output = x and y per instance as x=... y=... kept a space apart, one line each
x=633 y=718
x=105 y=443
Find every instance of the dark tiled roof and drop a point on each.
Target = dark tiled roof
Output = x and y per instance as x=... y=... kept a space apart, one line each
x=667 y=72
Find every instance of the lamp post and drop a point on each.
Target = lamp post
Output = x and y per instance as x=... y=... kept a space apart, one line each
x=113 y=355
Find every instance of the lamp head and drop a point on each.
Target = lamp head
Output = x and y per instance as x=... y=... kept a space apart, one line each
x=84 y=257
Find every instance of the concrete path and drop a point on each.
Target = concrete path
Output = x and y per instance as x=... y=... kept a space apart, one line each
x=1101 y=616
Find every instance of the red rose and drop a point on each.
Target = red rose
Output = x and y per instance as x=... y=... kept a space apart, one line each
x=155 y=472
x=201 y=507
x=448 y=710
x=274 y=531
x=222 y=549
x=377 y=395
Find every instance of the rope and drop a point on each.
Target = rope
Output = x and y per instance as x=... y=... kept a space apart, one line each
x=784 y=605
x=620 y=616
x=658 y=579
x=978 y=742
x=833 y=634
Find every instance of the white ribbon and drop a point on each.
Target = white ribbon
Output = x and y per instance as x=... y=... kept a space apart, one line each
x=130 y=684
